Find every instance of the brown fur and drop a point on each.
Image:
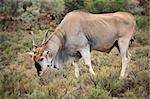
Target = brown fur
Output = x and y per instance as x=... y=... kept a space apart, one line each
x=37 y=54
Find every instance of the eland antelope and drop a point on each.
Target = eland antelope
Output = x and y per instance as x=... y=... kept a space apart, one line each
x=81 y=32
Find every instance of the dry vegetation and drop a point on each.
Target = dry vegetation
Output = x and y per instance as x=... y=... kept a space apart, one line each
x=18 y=78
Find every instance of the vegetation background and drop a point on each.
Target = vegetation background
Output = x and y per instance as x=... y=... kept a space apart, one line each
x=18 y=78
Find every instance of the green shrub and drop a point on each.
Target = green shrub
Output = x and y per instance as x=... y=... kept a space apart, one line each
x=10 y=7
x=142 y=30
x=142 y=37
x=140 y=56
x=98 y=93
x=142 y=21
x=97 y=6
x=71 y=5
x=53 y=6
x=101 y=6
x=11 y=43
x=105 y=6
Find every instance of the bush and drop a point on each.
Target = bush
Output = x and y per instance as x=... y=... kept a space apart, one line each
x=142 y=21
x=14 y=7
x=142 y=32
x=54 y=7
x=105 y=6
x=98 y=93
x=71 y=5
x=101 y=6
x=142 y=37
x=10 y=44
x=145 y=5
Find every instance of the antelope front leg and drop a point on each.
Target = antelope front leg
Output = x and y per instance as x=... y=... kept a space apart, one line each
x=85 y=52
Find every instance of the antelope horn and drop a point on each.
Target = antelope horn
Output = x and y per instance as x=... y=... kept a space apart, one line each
x=45 y=37
x=33 y=40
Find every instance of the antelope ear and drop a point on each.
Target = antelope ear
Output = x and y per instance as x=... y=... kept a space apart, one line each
x=30 y=54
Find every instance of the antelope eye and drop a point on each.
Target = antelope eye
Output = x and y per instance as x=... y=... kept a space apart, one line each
x=41 y=59
x=47 y=52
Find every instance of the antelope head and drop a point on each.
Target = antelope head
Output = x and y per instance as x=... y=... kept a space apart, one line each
x=41 y=57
